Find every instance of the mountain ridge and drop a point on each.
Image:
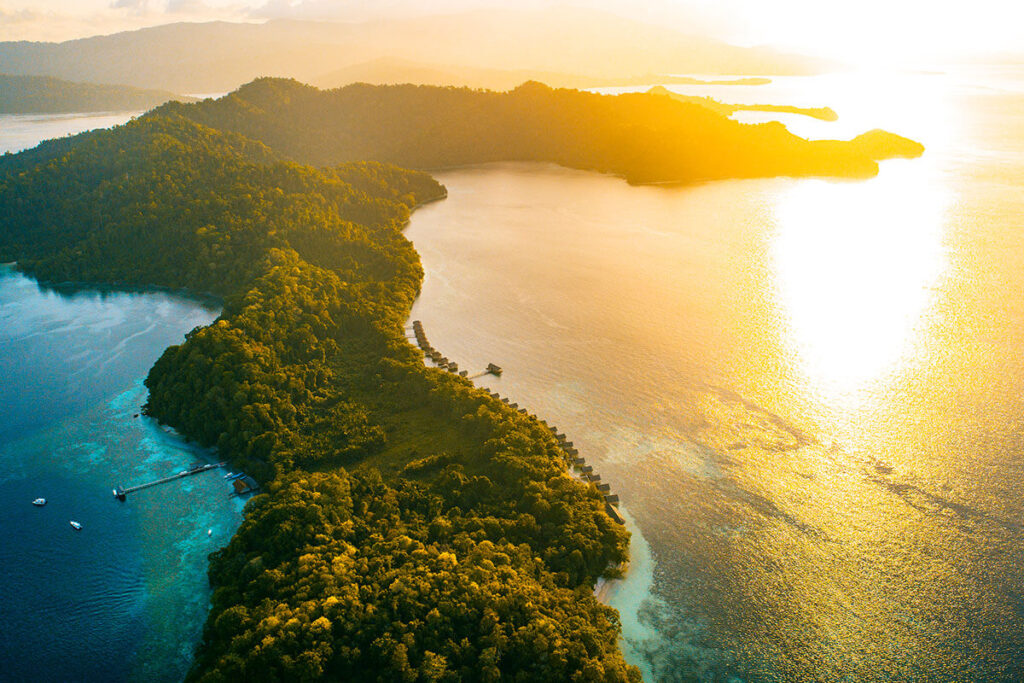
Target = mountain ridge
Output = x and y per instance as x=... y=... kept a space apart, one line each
x=219 y=56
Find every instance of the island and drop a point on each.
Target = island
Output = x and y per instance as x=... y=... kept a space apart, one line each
x=821 y=113
x=410 y=526
x=643 y=137
x=390 y=71
x=46 y=95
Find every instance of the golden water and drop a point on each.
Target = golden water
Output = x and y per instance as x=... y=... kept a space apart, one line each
x=808 y=393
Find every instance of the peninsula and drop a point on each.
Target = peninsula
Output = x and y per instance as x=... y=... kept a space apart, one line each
x=411 y=525
x=822 y=113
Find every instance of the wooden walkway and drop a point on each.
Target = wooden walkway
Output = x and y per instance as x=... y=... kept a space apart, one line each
x=184 y=473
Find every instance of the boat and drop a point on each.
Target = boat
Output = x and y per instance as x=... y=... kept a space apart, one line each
x=120 y=493
x=209 y=532
x=229 y=475
x=39 y=501
x=75 y=525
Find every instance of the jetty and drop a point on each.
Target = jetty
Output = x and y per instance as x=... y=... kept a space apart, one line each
x=121 y=492
x=584 y=472
x=420 y=337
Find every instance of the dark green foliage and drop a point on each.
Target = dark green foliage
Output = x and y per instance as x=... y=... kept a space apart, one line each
x=351 y=578
x=640 y=136
x=474 y=562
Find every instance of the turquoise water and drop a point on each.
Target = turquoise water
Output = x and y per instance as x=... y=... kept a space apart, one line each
x=124 y=598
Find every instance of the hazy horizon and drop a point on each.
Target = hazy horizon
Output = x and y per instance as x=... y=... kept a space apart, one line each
x=871 y=33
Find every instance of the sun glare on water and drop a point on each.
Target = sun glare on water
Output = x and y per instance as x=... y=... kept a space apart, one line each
x=855 y=267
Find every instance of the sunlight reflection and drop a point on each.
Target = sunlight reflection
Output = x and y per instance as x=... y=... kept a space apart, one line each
x=855 y=266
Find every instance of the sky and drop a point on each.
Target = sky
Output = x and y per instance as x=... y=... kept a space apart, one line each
x=865 y=31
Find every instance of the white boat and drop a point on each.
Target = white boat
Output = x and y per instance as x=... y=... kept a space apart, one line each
x=39 y=501
x=209 y=532
x=75 y=525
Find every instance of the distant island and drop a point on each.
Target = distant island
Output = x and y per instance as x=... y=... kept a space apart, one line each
x=643 y=137
x=389 y=71
x=822 y=113
x=46 y=95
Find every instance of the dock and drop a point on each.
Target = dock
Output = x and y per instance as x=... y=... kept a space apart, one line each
x=121 y=492
x=573 y=460
x=420 y=337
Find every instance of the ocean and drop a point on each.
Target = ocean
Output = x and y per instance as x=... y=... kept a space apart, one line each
x=124 y=598
x=807 y=392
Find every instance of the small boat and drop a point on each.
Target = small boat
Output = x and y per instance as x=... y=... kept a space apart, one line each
x=75 y=525
x=229 y=475
x=120 y=493
x=209 y=532
x=39 y=501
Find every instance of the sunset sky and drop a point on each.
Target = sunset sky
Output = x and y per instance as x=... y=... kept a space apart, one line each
x=867 y=31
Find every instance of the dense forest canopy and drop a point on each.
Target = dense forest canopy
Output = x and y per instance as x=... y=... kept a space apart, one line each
x=411 y=526
x=45 y=95
x=642 y=137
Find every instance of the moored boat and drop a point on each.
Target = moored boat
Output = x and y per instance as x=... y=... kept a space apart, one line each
x=39 y=501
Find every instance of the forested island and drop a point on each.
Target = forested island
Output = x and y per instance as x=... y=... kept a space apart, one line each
x=822 y=113
x=411 y=527
x=645 y=138
x=45 y=95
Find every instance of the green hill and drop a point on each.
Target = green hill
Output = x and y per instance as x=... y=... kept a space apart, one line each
x=45 y=95
x=642 y=137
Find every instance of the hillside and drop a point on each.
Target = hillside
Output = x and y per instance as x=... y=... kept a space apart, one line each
x=643 y=137
x=219 y=56
x=45 y=95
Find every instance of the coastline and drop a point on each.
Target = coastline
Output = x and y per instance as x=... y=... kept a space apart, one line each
x=139 y=590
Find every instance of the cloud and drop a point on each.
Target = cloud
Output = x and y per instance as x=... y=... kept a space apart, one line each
x=20 y=16
x=134 y=6
x=187 y=7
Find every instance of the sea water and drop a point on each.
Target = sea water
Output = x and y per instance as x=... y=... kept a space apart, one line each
x=125 y=597
x=807 y=392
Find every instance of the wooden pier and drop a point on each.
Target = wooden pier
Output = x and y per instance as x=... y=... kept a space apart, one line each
x=121 y=492
x=572 y=457
x=441 y=360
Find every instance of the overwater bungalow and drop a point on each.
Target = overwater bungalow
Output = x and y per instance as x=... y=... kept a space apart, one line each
x=244 y=484
x=614 y=514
